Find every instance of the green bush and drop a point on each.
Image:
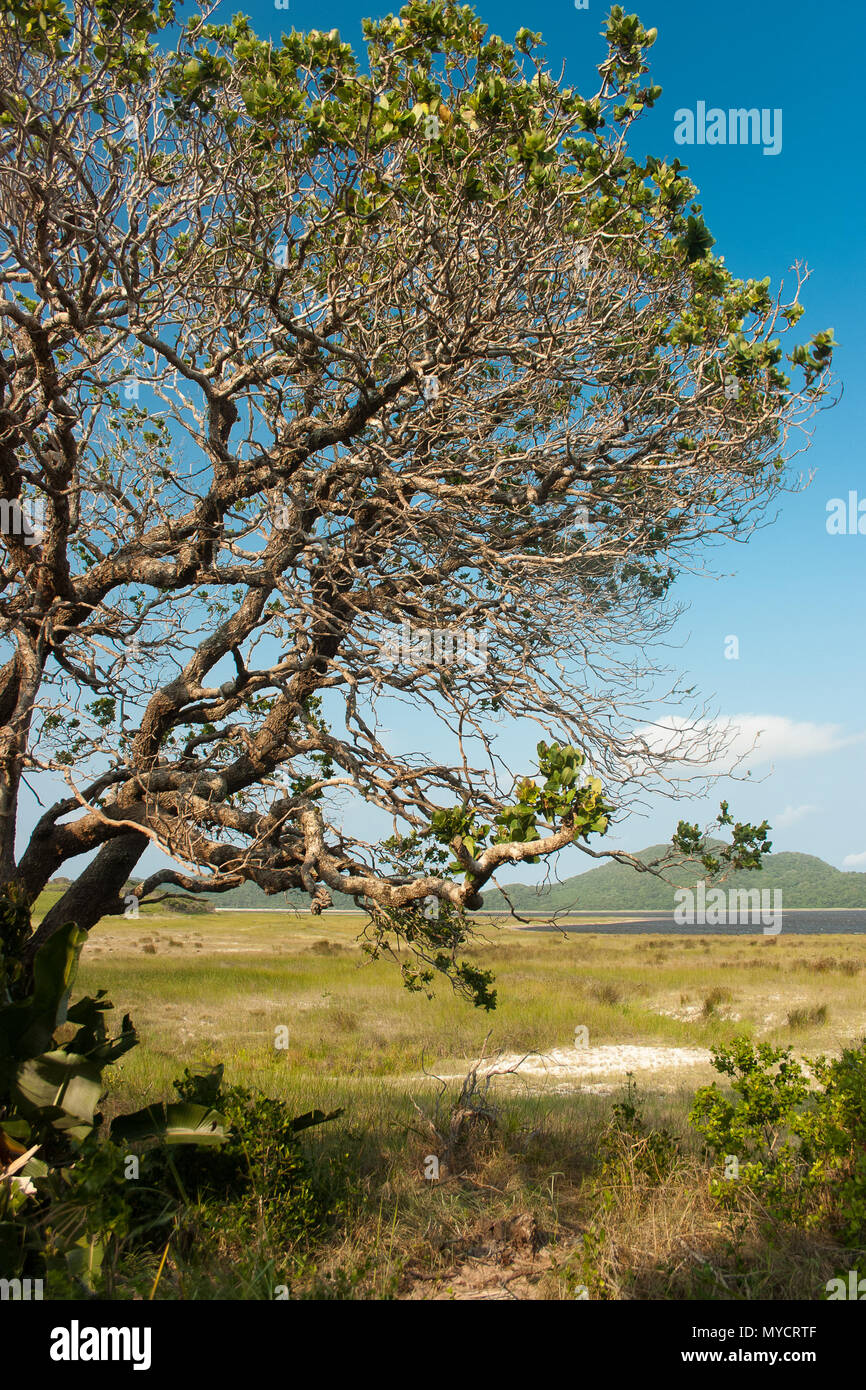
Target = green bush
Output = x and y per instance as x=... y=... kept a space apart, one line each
x=800 y=1139
x=85 y=1207
x=257 y=1183
x=64 y=1200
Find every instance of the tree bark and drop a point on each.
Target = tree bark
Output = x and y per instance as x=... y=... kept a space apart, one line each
x=96 y=890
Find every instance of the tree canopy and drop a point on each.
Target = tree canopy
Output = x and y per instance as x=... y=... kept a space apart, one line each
x=304 y=349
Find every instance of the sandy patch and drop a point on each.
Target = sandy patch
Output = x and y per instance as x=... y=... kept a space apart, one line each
x=578 y=1064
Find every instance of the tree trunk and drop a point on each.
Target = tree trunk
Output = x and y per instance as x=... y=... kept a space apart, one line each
x=96 y=890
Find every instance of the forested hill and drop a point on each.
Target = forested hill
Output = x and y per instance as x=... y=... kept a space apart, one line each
x=805 y=881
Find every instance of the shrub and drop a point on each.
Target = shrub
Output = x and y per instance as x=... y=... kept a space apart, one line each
x=62 y=1212
x=801 y=1146
x=195 y=907
x=716 y=996
x=605 y=992
x=633 y=1152
x=257 y=1183
x=806 y=1017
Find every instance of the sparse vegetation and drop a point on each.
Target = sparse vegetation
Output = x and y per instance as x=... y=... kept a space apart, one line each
x=543 y=1189
x=807 y=1017
x=717 y=995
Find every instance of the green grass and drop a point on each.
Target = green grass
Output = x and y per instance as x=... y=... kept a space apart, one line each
x=215 y=988
x=221 y=986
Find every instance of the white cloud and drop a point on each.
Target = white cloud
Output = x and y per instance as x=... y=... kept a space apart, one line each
x=751 y=738
x=791 y=815
x=854 y=861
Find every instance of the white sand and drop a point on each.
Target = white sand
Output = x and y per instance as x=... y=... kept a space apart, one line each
x=583 y=1063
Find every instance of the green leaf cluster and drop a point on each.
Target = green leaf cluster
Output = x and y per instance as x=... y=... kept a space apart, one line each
x=749 y=843
x=798 y=1130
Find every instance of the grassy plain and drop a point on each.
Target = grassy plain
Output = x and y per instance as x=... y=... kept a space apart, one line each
x=521 y=1208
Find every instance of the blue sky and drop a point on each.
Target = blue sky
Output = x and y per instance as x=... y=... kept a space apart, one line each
x=794 y=595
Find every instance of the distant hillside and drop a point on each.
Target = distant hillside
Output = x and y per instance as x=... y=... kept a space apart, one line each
x=805 y=881
x=251 y=895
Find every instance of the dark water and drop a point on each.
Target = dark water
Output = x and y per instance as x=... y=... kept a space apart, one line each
x=794 y=922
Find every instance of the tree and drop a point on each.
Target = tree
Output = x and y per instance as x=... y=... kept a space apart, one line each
x=326 y=385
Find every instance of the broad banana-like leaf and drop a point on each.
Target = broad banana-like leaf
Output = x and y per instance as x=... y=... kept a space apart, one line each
x=60 y=1087
x=55 y=966
x=84 y=1260
x=84 y=1010
x=27 y=1027
x=181 y=1123
x=92 y=1039
x=34 y=1168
